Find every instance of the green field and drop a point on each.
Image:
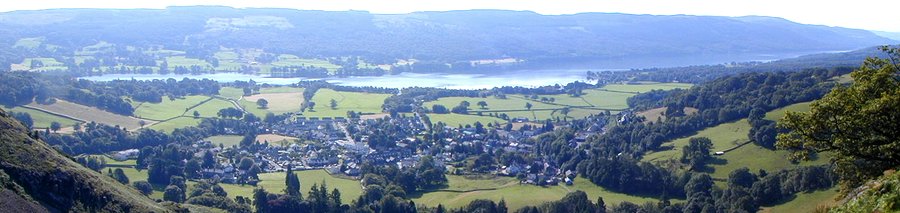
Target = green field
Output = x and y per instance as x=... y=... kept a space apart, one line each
x=226 y=140
x=210 y=108
x=231 y=92
x=228 y=61
x=777 y=114
x=48 y=64
x=494 y=104
x=168 y=108
x=29 y=43
x=645 y=87
x=100 y=47
x=461 y=191
x=606 y=99
x=286 y=60
x=274 y=182
x=806 y=202
x=42 y=119
x=591 y=102
x=723 y=136
x=346 y=101
x=173 y=124
x=455 y=120
x=751 y=156
x=176 y=61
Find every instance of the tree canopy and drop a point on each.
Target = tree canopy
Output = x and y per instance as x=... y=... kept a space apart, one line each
x=858 y=123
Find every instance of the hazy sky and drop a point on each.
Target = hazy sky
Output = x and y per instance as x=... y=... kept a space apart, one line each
x=864 y=14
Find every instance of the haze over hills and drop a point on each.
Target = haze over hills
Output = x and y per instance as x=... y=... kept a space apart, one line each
x=440 y=36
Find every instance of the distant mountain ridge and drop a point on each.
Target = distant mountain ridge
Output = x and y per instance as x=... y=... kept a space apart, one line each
x=442 y=36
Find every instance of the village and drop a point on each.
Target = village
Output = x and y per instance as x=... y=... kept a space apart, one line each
x=341 y=145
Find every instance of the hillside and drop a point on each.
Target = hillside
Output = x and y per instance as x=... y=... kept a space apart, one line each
x=36 y=178
x=444 y=36
x=879 y=195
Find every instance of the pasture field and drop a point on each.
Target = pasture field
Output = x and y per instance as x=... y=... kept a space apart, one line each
x=346 y=101
x=48 y=64
x=461 y=191
x=168 y=108
x=228 y=61
x=87 y=113
x=210 y=108
x=751 y=155
x=651 y=115
x=723 y=137
x=179 y=122
x=286 y=60
x=806 y=202
x=274 y=182
x=175 y=61
x=777 y=114
x=226 y=140
x=607 y=100
x=269 y=90
x=645 y=87
x=251 y=107
x=755 y=158
x=100 y=47
x=231 y=92
x=29 y=43
x=278 y=102
x=494 y=104
x=455 y=120
x=114 y=163
x=42 y=119
x=164 y=52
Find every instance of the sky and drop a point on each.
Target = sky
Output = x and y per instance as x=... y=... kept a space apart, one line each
x=862 y=14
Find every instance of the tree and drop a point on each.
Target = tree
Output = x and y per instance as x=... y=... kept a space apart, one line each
x=332 y=104
x=173 y=193
x=292 y=182
x=144 y=187
x=55 y=126
x=196 y=114
x=482 y=104
x=528 y=105
x=311 y=105
x=120 y=176
x=262 y=103
x=696 y=153
x=142 y=123
x=857 y=123
x=439 y=109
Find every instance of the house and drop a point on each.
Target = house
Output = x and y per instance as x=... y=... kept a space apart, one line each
x=125 y=154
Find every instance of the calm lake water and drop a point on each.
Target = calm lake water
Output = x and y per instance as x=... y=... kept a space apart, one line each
x=525 y=78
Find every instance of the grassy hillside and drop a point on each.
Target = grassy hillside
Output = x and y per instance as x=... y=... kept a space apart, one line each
x=728 y=135
x=56 y=181
x=881 y=195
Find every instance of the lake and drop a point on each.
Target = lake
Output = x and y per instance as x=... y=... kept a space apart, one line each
x=524 y=78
